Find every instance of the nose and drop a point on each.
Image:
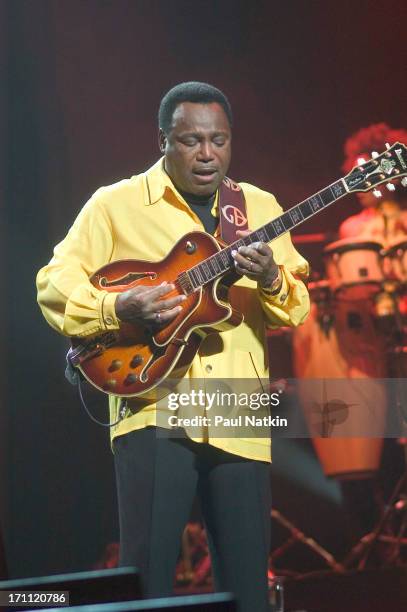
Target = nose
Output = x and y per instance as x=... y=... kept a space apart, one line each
x=205 y=152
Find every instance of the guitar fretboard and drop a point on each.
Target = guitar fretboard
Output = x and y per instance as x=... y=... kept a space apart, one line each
x=223 y=262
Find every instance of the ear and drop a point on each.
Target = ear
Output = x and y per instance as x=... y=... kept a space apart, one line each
x=162 y=140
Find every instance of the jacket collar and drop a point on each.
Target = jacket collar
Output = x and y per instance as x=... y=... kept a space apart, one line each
x=158 y=182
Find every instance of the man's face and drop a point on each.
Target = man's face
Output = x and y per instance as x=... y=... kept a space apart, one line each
x=197 y=148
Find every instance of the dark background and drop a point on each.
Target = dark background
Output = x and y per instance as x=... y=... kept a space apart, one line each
x=82 y=81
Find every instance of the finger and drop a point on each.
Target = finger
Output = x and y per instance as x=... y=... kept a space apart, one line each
x=165 y=316
x=240 y=270
x=167 y=304
x=246 y=266
x=245 y=271
x=252 y=253
x=160 y=290
x=151 y=295
x=252 y=258
x=262 y=248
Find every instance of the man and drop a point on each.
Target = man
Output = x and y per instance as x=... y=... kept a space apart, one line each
x=157 y=477
x=382 y=219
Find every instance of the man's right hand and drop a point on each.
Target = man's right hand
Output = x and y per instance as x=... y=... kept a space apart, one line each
x=147 y=306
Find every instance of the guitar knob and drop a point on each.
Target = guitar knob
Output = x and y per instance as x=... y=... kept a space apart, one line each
x=390 y=187
x=377 y=193
x=115 y=365
x=404 y=181
x=110 y=384
x=136 y=361
x=190 y=247
x=375 y=154
x=130 y=379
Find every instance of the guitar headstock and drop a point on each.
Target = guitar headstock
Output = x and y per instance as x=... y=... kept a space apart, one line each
x=389 y=165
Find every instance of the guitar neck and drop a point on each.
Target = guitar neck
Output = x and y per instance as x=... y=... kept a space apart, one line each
x=222 y=262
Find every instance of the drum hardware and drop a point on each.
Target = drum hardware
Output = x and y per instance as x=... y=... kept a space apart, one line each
x=326 y=320
x=298 y=536
x=397 y=505
x=364 y=547
x=320 y=293
x=397 y=256
x=396 y=508
x=398 y=370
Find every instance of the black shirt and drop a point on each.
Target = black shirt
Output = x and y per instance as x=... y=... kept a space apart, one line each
x=202 y=206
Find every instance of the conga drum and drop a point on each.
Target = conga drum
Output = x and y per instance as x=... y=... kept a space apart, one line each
x=337 y=368
x=354 y=268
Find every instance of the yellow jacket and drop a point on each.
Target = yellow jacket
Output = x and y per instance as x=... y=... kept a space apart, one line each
x=142 y=218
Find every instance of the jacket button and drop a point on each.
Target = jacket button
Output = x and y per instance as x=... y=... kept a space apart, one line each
x=208 y=368
x=108 y=320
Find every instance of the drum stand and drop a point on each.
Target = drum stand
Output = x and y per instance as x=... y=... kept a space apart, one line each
x=397 y=504
x=299 y=536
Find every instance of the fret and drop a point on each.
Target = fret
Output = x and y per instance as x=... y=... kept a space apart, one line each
x=185 y=282
x=326 y=196
x=262 y=235
x=205 y=270
x=211 y=266
x=305 y=209
x=278 y=226
x=194 y=278
x=225 y=259
x=199 y=274
x=338 y=189
x=231 y=261
x=315 y=203
x=216 y=264
x=296 y=215
x=286 y=221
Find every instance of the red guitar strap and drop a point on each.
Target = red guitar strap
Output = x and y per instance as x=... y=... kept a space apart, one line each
x=232 y=210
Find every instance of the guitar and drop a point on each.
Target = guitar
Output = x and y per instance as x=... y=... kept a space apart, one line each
x=134 y=360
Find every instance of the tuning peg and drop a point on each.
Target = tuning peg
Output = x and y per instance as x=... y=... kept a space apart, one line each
x=375 y=154
x=360 y=161
x=404 y=181
x=387 y=145
x=390 y=187
x=377 y=193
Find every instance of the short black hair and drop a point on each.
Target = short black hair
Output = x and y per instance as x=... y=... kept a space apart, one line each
x=191 y=91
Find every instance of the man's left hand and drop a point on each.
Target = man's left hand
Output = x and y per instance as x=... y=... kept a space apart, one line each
x=256 y=262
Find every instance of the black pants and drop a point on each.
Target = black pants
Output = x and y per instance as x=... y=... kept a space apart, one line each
x=157 y=478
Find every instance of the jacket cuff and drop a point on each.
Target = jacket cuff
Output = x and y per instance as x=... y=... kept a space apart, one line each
x=108 y=318
x=281 y=296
